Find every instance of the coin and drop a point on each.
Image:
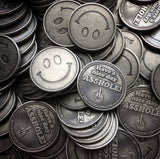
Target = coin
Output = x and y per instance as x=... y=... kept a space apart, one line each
x=89 y=131
x=152 y=38
x=147 y=65
x=37 y=130
x=85 y=30
x=149 y=147
x=101 y=85
x=129 y=64
x=155 y=81
x=10 y=57
x=133 y=43
x=57 y=29
x=4 y=98
x=54 y=61
x=140 y=17
x=6 y=84
x=139 y=113
x=122 y=146
x=77 y=119
x=5 y=143
x=118 y=47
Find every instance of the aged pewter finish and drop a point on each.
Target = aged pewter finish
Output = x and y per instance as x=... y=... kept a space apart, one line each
x=5 y=143
x=53 y=61
x=133 y=43
x=150 y=60
x=118 y=48
x=57 y=28
x=4 y=98
x=39 y=128
x=77 y=119
x=140 y=112
x=129 y=64
x=6 y=84
x=85 y=30
x=101 y=85
x=72 y=101
x=152 y=38
x=155 y=81
x=123 y=146
x=9 y=57
x=140 y=17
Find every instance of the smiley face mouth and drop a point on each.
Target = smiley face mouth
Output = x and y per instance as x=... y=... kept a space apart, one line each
x=69 y=69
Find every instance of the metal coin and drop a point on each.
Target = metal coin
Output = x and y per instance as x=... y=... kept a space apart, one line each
x=140 y=17
x=130 y=66
x=106 y=140
x=149 y=147
x=118 y=47
x=22 y=71
x=85 y=30
x=141 y=81
x=89 y=131
x=152 y=38
x=24 y=47
x=54 y=61
x=4 y=98
x=37 y=130
x=6 y=84
x=4 y=127
x=122 y=146
x=5 y=143
x=77 y=119
x=16 y=27
x=139 y=113
x=109 y=3
x=26 y=33
x=9 y=7
x=133 y=43
x=13 y=18
x=98 y=136
x=57 y=28
x=54 y=149
x=9 y=57
x=102 y=54
x=147 y=65
x=8 y=108
x=101 y=85
x=155 y=81
x=72 y=101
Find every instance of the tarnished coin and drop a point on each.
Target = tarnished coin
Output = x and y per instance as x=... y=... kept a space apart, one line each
x=72 y=101
x=54 y=149
x=152 y=38
x=140 y=17
x=155 y=80
x=9 y=57
x=74 y=151
x=101 y=85
x=133 y=43
x=149 y=147
x=54 y=69
x=140 y=112
x=117 y=49
x=77 y=119
x=130 y=66
x=85 y=30
x=89 y=131
x=37 y=130
x=9 y=7
x=4 y=98
x=123 y=146
x=141 y=81
x=106 y=139
x=5 y=143
x=6 y=84
x=149 y=62
x=57 y=28
x=109 y=3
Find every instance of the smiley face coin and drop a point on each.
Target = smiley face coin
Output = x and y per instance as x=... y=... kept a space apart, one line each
x=92 y=26
x=54 y=69
x=56 y=22
x=9 y=57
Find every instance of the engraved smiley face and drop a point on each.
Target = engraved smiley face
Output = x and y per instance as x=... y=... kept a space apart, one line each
x=54 y=69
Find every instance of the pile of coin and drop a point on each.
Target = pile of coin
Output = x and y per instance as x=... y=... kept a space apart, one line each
x=84 y=84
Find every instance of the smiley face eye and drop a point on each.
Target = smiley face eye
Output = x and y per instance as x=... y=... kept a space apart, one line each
x=63 y=30
x=4 y=59
x=96 y=34
x=57 y=59
x=85 y=32
x=46 y=63
x=58 y=21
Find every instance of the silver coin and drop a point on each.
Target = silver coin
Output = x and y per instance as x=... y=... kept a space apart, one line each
x=57 y=28
x=54 y=69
